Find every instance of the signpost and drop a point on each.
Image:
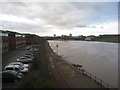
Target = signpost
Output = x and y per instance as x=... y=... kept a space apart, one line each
x=57 y=51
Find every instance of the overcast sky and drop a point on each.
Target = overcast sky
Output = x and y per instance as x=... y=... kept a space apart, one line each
x=48 y=18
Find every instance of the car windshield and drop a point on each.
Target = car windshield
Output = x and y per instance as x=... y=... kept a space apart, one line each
x=21 y=68
x=9 y=68
x=22 y=57
x=28 y=56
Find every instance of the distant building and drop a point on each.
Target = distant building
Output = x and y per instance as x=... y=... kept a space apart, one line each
x=70 y=35
x=90 y=37
x=63 y=35
x=54 y=35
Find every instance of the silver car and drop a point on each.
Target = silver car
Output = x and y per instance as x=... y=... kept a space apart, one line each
x=17 y=68
x=24 y=60
x=19 y=63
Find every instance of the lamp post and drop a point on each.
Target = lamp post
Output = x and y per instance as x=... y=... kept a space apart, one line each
x=57 y=51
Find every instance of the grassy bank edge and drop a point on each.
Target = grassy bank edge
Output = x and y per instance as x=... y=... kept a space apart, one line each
x=39 y=75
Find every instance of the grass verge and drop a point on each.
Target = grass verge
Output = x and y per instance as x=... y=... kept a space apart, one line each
x=108 y=39
x=38 y=76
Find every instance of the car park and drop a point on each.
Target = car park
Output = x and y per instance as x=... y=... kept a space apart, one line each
x=17 y=68
x=19 y=63
x=10 y=76
x=24 y=60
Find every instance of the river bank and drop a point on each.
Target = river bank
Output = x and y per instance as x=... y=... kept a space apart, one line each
x=72 y=77
x=96 y=58
x=50 y=71
x=107 y=39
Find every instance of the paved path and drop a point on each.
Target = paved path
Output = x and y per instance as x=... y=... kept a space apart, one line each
x=68 y=76
x=61 y=83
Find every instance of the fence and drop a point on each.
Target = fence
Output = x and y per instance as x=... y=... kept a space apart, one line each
x=96 y=79
x=84 y=72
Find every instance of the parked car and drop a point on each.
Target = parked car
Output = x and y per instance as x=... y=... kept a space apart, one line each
x=28 y=56
x=10 y=76
x=36 y=49
x=17 y=68
x=28 y=47
x=24 y=60
x=19 y=63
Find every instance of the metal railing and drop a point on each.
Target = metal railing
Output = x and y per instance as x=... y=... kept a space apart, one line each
x=96 y=79
x=86 y=73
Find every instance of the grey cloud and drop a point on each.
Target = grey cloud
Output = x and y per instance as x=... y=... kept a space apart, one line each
x=81 y=26
x=93 y=27
x=62 y=15
x=22 y=27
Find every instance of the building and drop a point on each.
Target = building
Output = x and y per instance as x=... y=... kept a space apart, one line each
x=31 y=38
x=16 y=40
x=4 y=42
x=70 y=35
x=20 y=40
x=23 y=40
x=12 y=40
x=90 y=37
x=54 y=35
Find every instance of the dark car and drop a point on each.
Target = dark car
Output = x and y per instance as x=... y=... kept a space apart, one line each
x=10 y=76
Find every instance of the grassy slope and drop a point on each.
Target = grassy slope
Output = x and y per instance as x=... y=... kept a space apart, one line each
x=110 y=39
x=39 y=76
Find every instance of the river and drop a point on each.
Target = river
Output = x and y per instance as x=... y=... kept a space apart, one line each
x=98 y=58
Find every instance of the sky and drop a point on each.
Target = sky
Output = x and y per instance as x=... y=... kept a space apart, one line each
x=60 y=18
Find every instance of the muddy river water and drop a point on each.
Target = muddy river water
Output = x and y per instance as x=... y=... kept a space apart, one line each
x=98 y=58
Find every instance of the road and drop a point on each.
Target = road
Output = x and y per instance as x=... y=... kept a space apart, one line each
x=12 y=55
x=9 y=57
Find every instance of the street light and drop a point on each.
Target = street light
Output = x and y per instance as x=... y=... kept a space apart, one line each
x=57 y=51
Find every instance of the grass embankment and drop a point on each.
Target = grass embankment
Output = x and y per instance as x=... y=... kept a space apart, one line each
x=38 y=76
x=108 y=39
